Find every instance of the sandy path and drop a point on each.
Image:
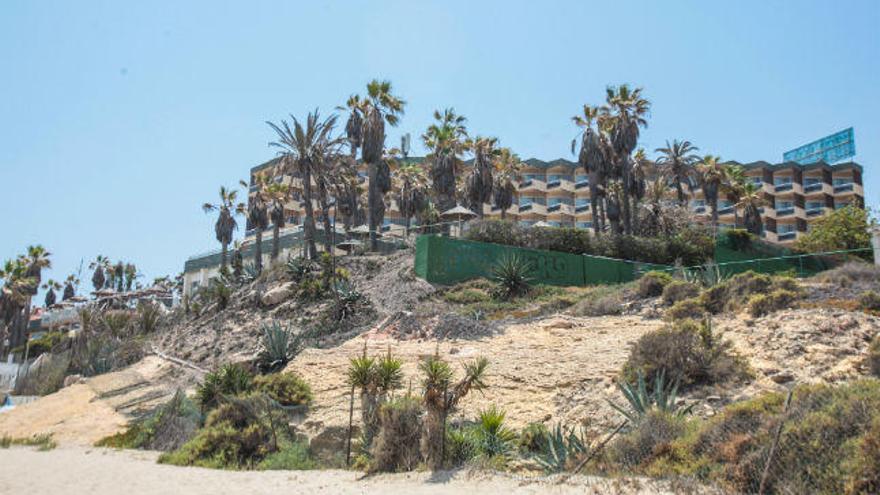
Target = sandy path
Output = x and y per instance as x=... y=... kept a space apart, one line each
x=76 y=470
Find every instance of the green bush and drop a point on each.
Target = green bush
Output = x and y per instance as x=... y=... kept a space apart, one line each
x=850 y=273
x=844 y=228
x=652 y=434
x=292 y=456
x=870 y=300
x=603 y=300
x=686 y=351
x=229 y=380
x=764 y=304
x=652 y=283
x=287 y=389
x=740 y=239
x=532 y=438
x=491 y=437
x=691 y=308
x=736 y=292
x=166 y=429
x=679 y=290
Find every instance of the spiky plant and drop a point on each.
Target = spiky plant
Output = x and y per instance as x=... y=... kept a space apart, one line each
x=148 y=318
x=348 y=298
x=229 y=380
x=279 y=346
x=662 y=398
x=298 y=268
x=491 y=437
x=513 y=274
x=375 y=379
x=560 y=447
x=218 y=291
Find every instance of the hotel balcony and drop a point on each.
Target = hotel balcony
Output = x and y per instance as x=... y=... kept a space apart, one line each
x=582 y=184
x=534 y=208
x=817 y=188
x=563 y=208
x=849 y=187
x=816 y=212
x=532 y=185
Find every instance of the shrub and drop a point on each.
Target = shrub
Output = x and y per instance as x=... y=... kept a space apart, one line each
x=229 y=380
x=688 y=308
x=870 y=301
x=279 y=346
x=491 y=437
x=396 y=445
x=638 y=446
x=218 y=292
x=602 y=301
x=873 y=358
x=679 y=291
x=149 y=317
x=737 y=291
x=532 y=438
x=287 y=389
x=844 y=228
x=851 y=272
x=740 y=239
x=292 y=456
x=763 y=304
x=687 y=351
x=348 y=300
x=652 y=283
x=166 y=429
x=43 y=442
x=460 y=446
x=513 y=274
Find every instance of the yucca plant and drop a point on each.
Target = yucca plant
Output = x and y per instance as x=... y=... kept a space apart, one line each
x=279 y=346
x=218 y=291
x=229 y=380
x=662 y=398
x=513 y=274
x=348 y=299
x=491 y=437
x=375 y=379
x=560 y=447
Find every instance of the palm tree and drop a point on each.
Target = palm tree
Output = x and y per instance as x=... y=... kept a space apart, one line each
x=678 y=159
x=447 y=141
x=100 y=265
x=733 y=187
x=119 y=276
x=354 y=126
x=257 y=214
x=593 y=157
x=379 y=107
x=15 y=294
x=411 y=184
x=751 y=200
x=277 y=195
x=304 y=152
x=507 y=167
x=626 y=110
x=712 y=175
x=225 y=225
x=51 y=286
x=70 y=284
x=130 y=273
x=481 y=182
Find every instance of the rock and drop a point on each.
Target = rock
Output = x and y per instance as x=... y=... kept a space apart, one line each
x=277 y=295
x=72 y=380
x=783 y=377
x=558 y=323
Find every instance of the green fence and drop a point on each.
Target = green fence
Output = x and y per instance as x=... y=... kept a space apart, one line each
x=445 y=260
x=764 y=257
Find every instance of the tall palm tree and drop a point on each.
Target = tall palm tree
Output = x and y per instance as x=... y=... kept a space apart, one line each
x=51 y=286
x=751 y=200
x=100 y=265
x=379 y=107
x=225 y=225
x=678 y=160
x=277 y=194
x=447 y=140
x=70 y=284
x=507 y=167
x=15 y=294
x=712 y=174
x=733 y=187
x=305 y=151
x=131 y=274
x=354 y=126
x=481 y=181
x=35 y=260
x=626 y=110
x=257 y=214
x=594 y=157
x=411 y=184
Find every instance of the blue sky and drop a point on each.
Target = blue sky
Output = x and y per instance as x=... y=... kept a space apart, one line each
x=119 y=119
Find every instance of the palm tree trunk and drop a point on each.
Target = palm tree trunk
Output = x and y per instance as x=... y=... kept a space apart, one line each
x=325 y=213
x=372 y=205
x=258 y=250
x=309 y=221
x=679 y=191
x=503 y=211
x=276 y=240
x=223 y=250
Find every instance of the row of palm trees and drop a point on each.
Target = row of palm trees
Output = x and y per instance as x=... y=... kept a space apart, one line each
x=21 y=279
x=325 y=162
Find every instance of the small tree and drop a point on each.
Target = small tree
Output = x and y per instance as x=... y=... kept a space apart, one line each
x=846 y=228
x=375 y=379
x=442 y=396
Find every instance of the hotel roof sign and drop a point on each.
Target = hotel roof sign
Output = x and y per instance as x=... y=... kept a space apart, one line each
x=830 y=149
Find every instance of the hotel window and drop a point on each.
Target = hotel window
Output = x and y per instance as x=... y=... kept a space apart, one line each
x=815 y=205
x=724 y=203
x=808 y=181
x=839 y=181
x=557 y=201
x=526 y=223
x=838 y=206
x=785 y=228
x=552 y=177
x=540 y=177
x=554 y=223
x=758 y=180
x=783 y=205
x=578 y=202
x=582 y=178
x=778 y=181
x=698 y=203
x=585 y=225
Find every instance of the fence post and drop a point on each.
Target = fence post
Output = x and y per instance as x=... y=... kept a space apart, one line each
x=763 y=487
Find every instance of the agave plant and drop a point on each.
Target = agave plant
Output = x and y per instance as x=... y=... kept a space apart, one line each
x=347 y=301
x=661 y=398
x=279 y=346
x=560 y=447
x=298 y=268
x=708 y=275
x=513 y=274
x=229 y=380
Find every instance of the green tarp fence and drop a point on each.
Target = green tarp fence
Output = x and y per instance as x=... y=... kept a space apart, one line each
x=445 y=260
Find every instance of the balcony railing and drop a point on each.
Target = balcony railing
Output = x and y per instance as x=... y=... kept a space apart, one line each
x=788 y=186
x=525 y=183
x=525 y=207
x=553 y=183
x=843 y=187
x=726 y=211
x=784 y=212
x=816 y=186
x=555 y=207
x=814 y=212
x=581 y=208
x=787 y=236
x=581 y=184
